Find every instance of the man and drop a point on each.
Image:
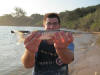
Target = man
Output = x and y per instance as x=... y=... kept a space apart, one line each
x=49 y=57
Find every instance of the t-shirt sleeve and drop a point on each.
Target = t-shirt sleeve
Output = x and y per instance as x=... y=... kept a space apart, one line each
x=71 y=47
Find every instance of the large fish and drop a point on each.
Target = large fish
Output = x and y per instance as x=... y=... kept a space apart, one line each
x=46 y=34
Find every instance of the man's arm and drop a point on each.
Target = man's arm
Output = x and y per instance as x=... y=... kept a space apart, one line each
x=31 y=44
x=65 y=55
x=61 y=42
x=28 y=59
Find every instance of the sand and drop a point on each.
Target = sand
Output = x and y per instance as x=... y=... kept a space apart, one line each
x=87 y=57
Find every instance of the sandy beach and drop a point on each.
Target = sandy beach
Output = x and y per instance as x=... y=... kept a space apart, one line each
x=87 y=56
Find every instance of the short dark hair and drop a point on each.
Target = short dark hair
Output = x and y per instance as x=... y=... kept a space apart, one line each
x=51 y=15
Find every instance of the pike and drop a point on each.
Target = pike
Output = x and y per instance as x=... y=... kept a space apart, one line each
x=53 y=31
x=46 y=34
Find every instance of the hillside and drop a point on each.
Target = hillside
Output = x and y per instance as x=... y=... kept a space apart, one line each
x=81 y=18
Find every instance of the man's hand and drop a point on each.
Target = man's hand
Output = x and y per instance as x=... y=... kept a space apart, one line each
x=62 y=39
x=32 y=41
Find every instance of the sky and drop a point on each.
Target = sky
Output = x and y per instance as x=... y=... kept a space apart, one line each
x=43 y=6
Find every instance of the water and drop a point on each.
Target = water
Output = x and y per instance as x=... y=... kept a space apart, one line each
x=10 y=52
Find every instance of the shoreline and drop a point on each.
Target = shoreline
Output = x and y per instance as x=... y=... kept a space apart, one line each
x=87 y=58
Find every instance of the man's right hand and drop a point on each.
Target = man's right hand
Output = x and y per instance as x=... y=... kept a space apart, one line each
x=32 y=41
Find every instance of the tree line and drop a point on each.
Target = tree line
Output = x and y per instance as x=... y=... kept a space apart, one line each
x=87 y=18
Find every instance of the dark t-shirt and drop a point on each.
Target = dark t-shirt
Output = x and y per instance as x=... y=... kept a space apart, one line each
x=47 y=60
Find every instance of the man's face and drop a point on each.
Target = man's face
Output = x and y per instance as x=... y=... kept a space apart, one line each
x=51 y=24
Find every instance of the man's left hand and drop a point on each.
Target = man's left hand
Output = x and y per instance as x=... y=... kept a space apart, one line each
x=62 y=39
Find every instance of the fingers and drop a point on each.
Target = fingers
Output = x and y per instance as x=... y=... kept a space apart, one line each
x=33 y=46
x=31 y=36
x=70 y=37
x=56 y=38
x=62 y=37
x=32 y=42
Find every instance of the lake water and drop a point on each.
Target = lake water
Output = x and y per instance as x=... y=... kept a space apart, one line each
x=10 y=52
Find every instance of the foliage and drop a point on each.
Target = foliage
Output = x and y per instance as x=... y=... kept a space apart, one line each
x=81 y=18
x=18 y=12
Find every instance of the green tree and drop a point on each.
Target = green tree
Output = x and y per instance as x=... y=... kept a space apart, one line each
x=19 y=12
